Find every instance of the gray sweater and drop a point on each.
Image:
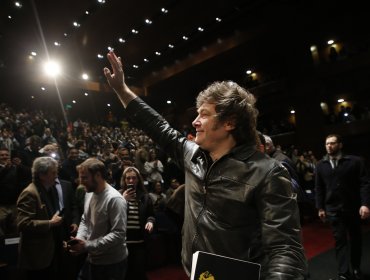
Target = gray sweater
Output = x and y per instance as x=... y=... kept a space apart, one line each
x=103 y=226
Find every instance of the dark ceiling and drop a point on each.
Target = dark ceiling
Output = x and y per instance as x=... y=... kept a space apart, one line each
x=270 y=36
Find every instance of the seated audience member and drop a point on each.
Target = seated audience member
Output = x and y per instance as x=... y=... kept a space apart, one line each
x=158 y=197
x=174 y=184
x=154 y=168
x=140 y=221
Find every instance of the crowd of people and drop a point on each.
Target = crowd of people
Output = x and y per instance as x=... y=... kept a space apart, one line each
x=88 y=197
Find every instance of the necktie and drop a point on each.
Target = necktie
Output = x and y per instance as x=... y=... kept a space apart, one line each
x=335 y=163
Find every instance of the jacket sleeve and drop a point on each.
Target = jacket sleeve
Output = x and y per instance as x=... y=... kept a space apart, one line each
x=28 y=215
x=281 y=239
x=158 y=129
x=364 y=184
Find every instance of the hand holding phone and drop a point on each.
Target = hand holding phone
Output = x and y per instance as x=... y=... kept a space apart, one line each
x=72 y=242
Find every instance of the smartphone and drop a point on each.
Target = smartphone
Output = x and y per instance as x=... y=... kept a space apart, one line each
x=72 y=242
x=130 y=187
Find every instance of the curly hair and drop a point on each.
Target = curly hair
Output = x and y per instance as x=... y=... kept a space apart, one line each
x=233 y=103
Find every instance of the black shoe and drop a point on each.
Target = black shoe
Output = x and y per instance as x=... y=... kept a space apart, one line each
x=357 y=275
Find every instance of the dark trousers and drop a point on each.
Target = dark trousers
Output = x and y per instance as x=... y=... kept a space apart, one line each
x=346 y=229
x=116 y=271
x=137 y=255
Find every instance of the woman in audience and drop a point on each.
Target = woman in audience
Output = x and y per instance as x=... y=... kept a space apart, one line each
x=140 y=221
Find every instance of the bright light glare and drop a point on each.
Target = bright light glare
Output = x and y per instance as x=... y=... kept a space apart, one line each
x=292 y=111
x=52 y=68
x=169 y=102
x=85 y=76
x=340 y=100
x=330 y=42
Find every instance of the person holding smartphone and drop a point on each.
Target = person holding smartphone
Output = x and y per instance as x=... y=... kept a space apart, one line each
x=138 y=226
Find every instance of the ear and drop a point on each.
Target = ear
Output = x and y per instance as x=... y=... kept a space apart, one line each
x=229 y=125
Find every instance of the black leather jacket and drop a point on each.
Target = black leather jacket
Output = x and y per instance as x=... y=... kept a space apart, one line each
x=239 y=206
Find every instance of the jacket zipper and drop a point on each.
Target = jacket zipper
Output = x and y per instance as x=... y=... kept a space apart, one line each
x=204 y=204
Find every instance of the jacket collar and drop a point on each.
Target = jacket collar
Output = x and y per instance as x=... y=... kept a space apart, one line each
x=240 y=152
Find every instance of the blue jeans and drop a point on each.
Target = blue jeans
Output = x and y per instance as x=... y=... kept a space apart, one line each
x=116 y=271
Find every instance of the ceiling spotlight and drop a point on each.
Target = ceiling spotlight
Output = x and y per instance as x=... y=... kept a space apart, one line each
x=18 y=4
x=87 y=12
x=100 y=56
x=292 y=111
x=218 y=19
x=146 y=60
x=158 y=53
x=86 y=94
x=134 y=31
x=185 y=38
x=169 y=102
x=340 y=100
x=108 y=104
x=33 y=53
x=148 y=21
x=135 y=66
x=110 y=48
x=52 y=68
x=65 y=35
x=164 y=10
x=248 y=72
x=57 y=44
x=101 y=1
x=200 y=29
x=171 y=46
x=76 y=24
x=74 y=101
x=9 y=17
x=32 y=97
x=43 y=89
x=121 y=40
x=85 y=76
x=330 y=42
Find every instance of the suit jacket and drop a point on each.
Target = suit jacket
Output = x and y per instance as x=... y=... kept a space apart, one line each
x=37 y=245
x=71 y=214
x=343 y=189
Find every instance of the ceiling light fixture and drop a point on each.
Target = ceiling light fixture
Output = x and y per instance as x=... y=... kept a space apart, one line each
x=218 y=19
x=33 y=53
x=185 y=38
x=76 y=24
x=171 y=46
x=146 y=60
x=121 y=40
x=18 y=4
x=85 y=76
x=164 y=10
x=158 y=53
x=134 y=31
x=200 y=29
x=148 y=21
x=86 y=94
x=56 y=44
x=135 y=66
x=100 y=56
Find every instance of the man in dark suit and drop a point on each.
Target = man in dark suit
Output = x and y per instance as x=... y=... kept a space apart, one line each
x=39 y=223
x=343 y=198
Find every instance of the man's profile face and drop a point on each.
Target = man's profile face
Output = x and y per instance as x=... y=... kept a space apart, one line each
x=332 y=146
x=48 y=179
x=209 y=131
x=88 y=180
